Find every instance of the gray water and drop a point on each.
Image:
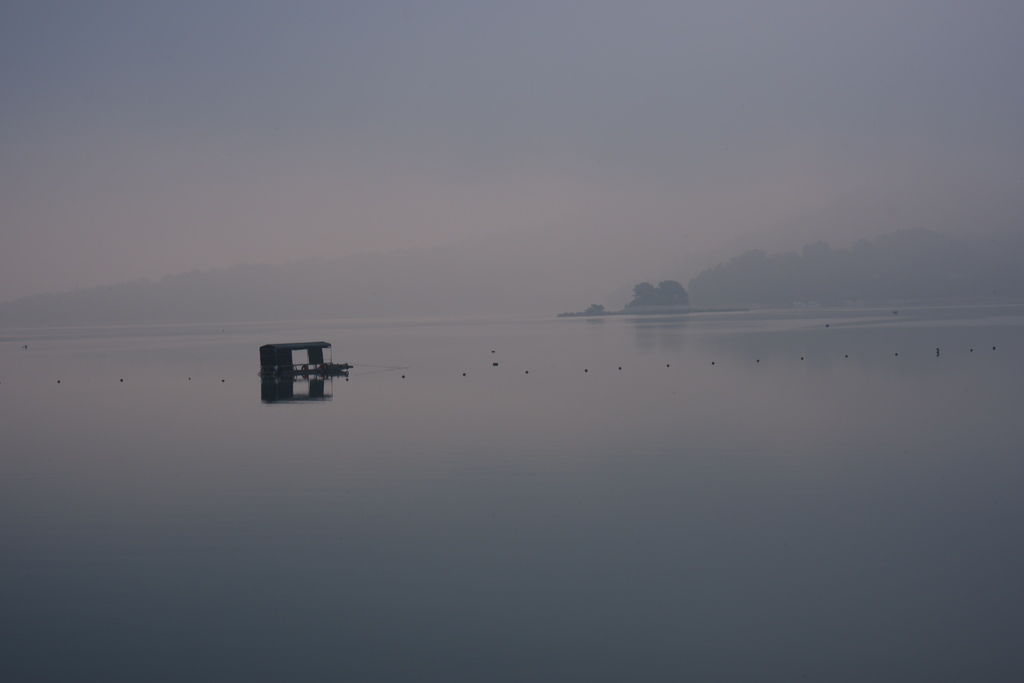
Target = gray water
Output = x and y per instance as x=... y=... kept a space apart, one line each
x=696 y=515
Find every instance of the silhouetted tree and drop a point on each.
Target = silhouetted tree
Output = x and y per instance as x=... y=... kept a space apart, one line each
x=667 y=293
x=671 y=293
x=643 y=294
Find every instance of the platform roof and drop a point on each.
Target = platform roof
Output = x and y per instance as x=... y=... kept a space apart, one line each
x=297 y=346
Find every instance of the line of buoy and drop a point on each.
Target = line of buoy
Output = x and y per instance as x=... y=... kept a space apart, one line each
x=938 y=353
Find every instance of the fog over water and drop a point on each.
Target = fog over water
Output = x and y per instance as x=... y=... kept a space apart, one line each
x=616 y=142
x=754 y=496
x=824 y=487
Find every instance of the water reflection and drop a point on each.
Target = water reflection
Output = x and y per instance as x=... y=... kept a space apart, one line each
x=296 y=389
x=695 y=522
x=658 y=332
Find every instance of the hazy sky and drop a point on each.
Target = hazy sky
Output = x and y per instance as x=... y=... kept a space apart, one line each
x=145 y=138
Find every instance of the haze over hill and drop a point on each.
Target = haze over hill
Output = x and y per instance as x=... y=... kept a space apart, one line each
x=912 y=265
x=546 y=146
x=429 y=282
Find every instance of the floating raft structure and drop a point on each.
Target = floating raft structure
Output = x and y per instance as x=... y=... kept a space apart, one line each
x=276 y=360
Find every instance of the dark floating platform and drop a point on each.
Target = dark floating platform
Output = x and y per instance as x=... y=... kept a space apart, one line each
x=276 y=360
x=319 y=370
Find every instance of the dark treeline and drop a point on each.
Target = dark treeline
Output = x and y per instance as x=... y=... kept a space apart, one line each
x=909 y=265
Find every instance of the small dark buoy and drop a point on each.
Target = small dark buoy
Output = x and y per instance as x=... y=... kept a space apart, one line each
x=846 y=355
x=758 y=360
x=494 y=365
x=896 y=354
x=527 y=372
x=221 y=380
x=712 y=362
x=972 y=350
x=24 y=346
x=585 y=370
x=58 y=381
x=189 y=379
x=827 y=325
x=346 y=379
x=993 y=348
x=668 y=365
x=801 y=357
x=937 y=352
x=895 y=312
x=463 y=374
x=493 y=351
x=620 y=367
x=122 y=379
x=403 y=376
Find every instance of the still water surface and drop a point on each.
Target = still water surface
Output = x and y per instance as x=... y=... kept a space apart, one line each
x=753 y=496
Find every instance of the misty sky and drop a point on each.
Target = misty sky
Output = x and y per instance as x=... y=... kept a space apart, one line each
x=145 y=138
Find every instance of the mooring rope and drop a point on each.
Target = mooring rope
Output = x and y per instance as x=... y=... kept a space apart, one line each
x=356 y=367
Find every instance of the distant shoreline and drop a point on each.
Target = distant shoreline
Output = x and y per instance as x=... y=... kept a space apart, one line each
x=649 y=310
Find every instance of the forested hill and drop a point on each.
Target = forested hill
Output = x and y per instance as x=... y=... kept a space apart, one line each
x=909 y=265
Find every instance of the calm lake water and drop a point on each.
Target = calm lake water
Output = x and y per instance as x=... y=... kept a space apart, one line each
x=697 y=515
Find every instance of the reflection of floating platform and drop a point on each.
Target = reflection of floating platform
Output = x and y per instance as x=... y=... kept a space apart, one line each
x=295 y=390
x=277 y=360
